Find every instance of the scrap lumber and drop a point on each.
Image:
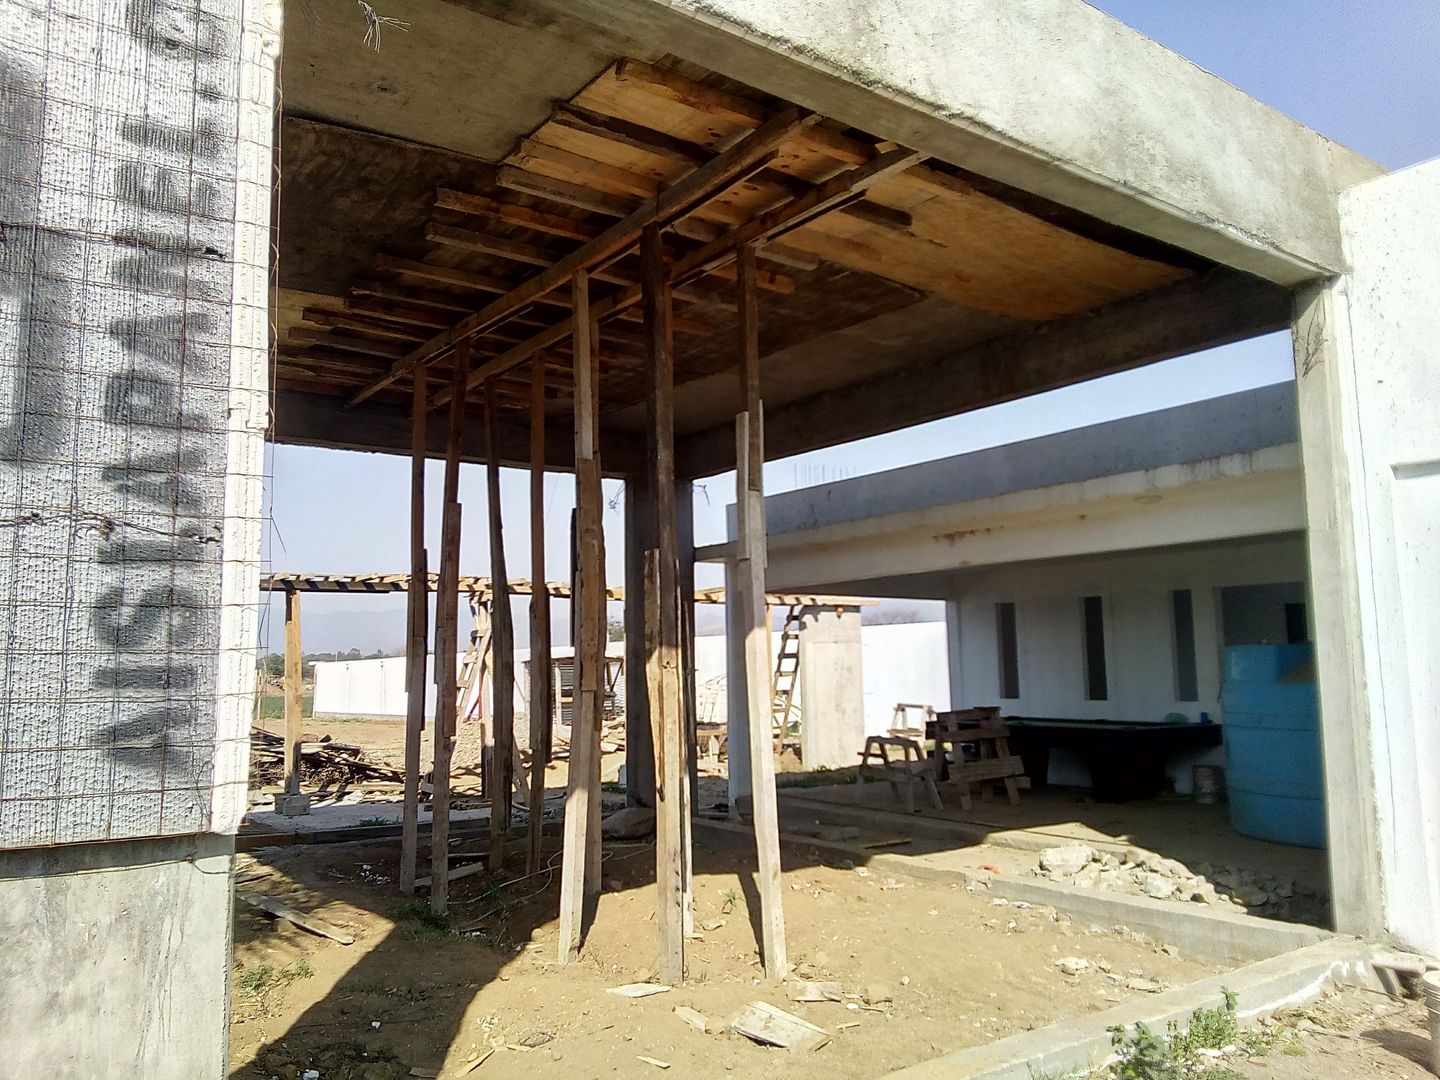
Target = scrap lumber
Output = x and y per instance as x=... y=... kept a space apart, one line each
x=676 y=200
x=417 y=641
x=502 y=648
x=765 y=1024
x=754 y=615
x=283 y=910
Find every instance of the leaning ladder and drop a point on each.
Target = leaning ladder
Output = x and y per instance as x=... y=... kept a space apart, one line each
x=784 y=712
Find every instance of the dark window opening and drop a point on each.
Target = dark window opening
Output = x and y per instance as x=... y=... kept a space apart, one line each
x=1297 y=625
x=1009 y=650
x=1183 y=610
x=1095 y=683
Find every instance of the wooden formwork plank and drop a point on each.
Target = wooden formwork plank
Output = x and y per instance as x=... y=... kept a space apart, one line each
x=672 y=821
x=579 y=877
x=750 y=581
x=502 y=669
x=446 y=639
x=415 y=645
x=294 y=669
x=541 y=693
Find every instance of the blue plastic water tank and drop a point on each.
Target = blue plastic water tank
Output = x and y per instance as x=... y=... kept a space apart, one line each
x=1272 y=740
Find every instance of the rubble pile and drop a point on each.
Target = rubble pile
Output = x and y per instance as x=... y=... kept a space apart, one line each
x=1144 y=873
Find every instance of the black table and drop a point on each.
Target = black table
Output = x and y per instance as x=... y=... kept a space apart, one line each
x=1126 y=760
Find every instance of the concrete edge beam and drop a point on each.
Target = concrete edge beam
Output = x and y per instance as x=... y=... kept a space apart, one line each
x=1051 y=97
x=1083 y=1043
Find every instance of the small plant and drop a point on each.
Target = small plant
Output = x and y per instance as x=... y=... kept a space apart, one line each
x=729 y=902
x=262 y=979
x=370 y=823
x=419 y=923
x=1179 y=1054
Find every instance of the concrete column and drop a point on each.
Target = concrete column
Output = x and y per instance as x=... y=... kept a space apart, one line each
x=117 y=958
x=1368 y=379
x=737 y=715
x=954 y=654
x=639 y=744
x=832 y=702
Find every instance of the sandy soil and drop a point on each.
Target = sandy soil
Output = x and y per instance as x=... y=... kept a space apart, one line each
x=961 y=970
x=1349 y=1033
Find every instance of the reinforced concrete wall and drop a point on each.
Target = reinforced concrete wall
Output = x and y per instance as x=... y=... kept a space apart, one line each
x=135 y=187
x=135 y=194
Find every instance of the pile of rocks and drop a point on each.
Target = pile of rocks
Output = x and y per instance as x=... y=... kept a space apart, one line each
x=1145 y=873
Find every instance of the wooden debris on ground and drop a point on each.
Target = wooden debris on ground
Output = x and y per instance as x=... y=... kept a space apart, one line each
x=478 y=1062
x=324 y=763
x=799 y=990
x=653 y=1061
x=763 y=1023
x=638 y=990
x=697 y=1020
x=282 y=910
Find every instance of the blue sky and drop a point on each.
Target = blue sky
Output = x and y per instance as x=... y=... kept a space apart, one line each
x=1364 y=74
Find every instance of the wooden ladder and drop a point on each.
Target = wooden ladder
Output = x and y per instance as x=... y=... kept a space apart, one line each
x=469 y=708
x=787 y=672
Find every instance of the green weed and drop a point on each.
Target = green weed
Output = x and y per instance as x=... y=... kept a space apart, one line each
x=263 y=979
x=419 y=923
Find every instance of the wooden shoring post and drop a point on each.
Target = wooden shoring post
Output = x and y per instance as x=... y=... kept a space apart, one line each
x=579 y=874
x=750 y=579
x=685 y=596
x=447 y=601
x=418 y=597
x=667 y=719
x=502 y=641
x=542 y=710
x=594 y=599
x=294 y=691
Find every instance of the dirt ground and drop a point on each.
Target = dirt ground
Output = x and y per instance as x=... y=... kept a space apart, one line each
x=943 y=967
x=1347 y=1034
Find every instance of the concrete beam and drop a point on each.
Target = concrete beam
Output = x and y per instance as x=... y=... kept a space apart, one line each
x=377 y=427
x=1053 y=97
x=1198 y=313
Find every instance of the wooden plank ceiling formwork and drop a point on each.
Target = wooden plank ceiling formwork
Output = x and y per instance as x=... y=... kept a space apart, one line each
x=386 y=245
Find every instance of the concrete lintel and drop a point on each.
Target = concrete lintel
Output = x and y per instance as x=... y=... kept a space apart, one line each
x=1053 y=97
x=1083 y=1043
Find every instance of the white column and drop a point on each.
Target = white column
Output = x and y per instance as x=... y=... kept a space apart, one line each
x=737 y=714
x=954 y=654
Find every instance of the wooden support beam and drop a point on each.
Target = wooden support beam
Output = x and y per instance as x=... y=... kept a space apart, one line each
x=675 y=201
x=504 y=247
x=294 y=691
x=447 y=602
x=703 y=260
x=417 y=641
x=750 y=581
x=639 y=538
x=1210 y=309
x=672 y=819
x=579 y=874
x=542 y=695
x=502 y=667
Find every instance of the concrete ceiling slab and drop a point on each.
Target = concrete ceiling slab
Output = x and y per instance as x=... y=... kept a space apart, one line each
x=449 y=77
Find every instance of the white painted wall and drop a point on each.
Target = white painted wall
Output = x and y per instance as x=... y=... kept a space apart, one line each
x=903 y=662
x=1139 y=644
